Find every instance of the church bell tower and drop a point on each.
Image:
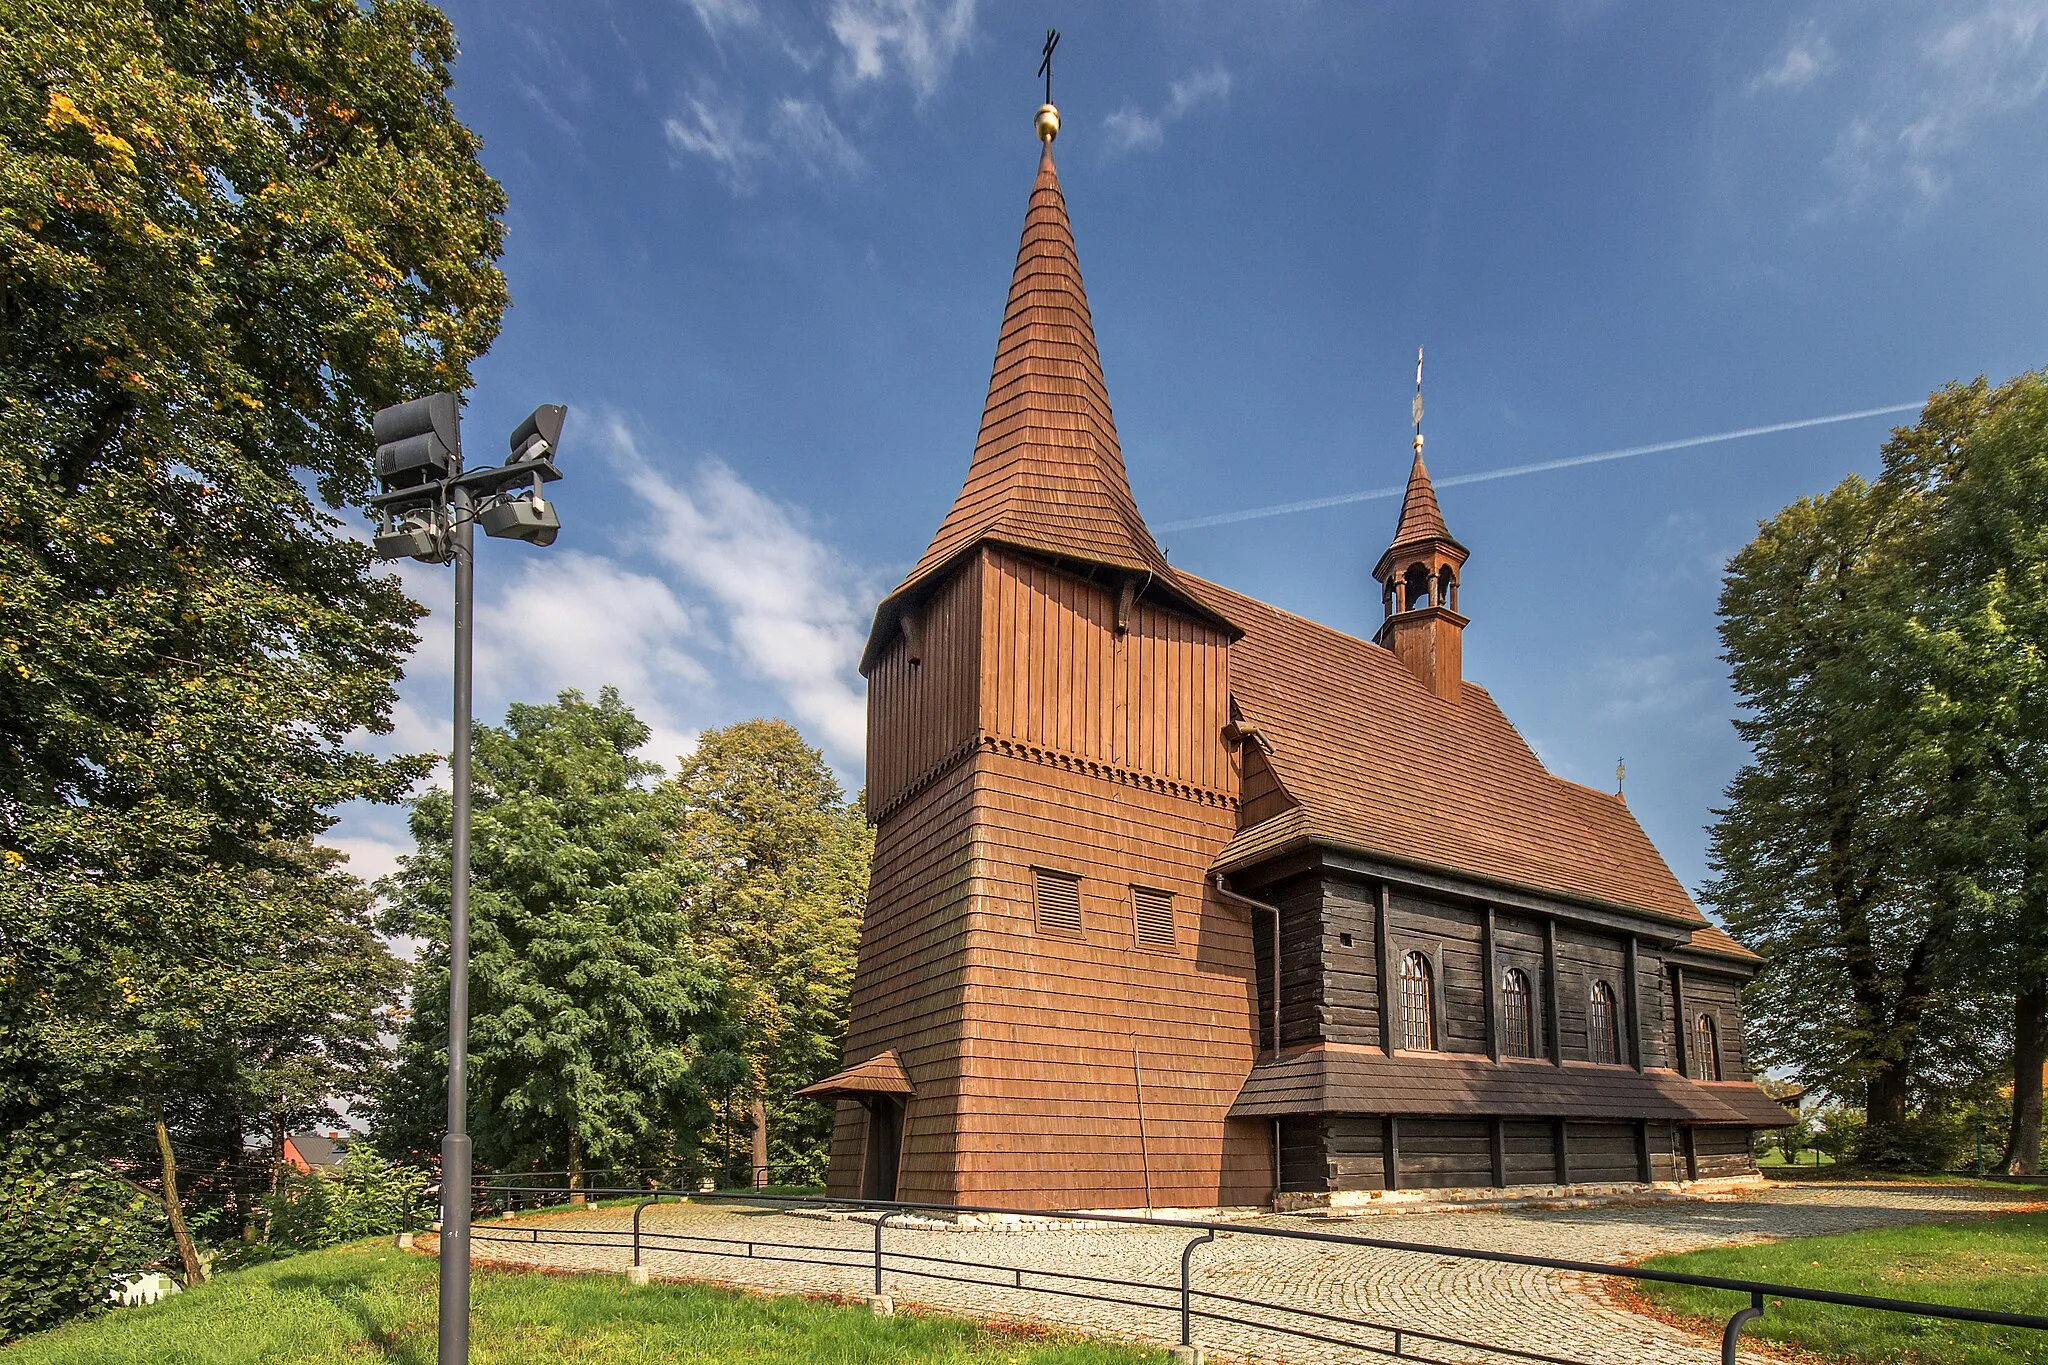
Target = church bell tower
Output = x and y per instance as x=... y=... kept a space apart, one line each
x=1418 y=578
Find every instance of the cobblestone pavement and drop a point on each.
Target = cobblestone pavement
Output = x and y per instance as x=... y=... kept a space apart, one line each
x=1531 y=1310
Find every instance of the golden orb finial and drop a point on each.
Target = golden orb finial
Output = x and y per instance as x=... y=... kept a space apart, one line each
x=1047 y=123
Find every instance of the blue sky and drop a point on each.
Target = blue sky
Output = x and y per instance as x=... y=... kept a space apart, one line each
x=761 y=250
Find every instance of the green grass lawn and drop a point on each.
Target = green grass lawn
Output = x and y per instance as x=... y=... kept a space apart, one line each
x=1997 y=1263
x=372 y=1302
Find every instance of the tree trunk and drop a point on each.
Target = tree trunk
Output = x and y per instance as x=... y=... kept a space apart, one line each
x=1884 y=1104
x=195 y=1273
x=761 y=1140
x=2029 y=1056
x=575 y=1167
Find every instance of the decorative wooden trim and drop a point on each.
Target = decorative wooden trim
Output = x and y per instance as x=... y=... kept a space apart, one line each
x=1632 y=1000
x=1383 y=949
x=1491 y=968
x=923 y=781
x=1681 y=1040
x=1089 y=767
x=1551 y=1014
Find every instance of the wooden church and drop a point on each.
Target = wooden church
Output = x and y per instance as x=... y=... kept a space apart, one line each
x=1182 y=901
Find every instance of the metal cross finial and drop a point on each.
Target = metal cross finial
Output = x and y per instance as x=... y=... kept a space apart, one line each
x=1620 y=775
x=1052 y=40
x=1418 y=400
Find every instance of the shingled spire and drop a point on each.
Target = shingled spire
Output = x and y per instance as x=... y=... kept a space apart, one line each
x=1047 y=474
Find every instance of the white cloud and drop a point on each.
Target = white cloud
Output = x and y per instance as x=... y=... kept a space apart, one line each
x=801 y=135
x=792 y=607
x=724 y=16
x=807 y=133
x=1927 y=110
x=716 y=132
x=1132 y=128
x=915 y=39
x=1806 y=58
x=369 y=857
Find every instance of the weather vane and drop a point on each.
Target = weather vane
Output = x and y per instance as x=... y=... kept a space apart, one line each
x=1620 y=775
x=1418 y=400
x=1048 y=120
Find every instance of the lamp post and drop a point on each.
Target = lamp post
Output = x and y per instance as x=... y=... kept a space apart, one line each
x=428 y=509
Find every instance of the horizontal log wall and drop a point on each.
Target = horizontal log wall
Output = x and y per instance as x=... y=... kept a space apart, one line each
x=1446 y=1153
x=1601 y=1152
x=1719 y=997
x=1449 y=935
x=1723 y=1151
x=1583 y=958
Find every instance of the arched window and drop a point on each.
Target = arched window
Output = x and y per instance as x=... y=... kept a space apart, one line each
x=1603 y=1038
x=1706 y=1049
x=1417 y=582
x=1446 y=588
x=1418 y=1004
x=1517 y=1013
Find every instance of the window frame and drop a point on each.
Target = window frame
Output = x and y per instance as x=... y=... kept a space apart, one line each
x=1611 y=1054
x=1706 y=1060
x=1531 y=1038
x=1432 y=985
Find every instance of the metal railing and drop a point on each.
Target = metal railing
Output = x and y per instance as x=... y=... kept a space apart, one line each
x=1306 y=1324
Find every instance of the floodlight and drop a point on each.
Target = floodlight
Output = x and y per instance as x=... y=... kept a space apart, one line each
x=522 y=516
x=414 y=534
x=418 y=442
x=539 y=435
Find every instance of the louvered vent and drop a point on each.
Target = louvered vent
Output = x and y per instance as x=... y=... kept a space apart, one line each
x=1059 y=901
x=1155 y=916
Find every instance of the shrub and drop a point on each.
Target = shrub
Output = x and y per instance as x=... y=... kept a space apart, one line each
x=67 y=1228
x=369 y=1197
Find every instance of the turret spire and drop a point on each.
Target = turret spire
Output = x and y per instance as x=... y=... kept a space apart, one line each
x=1418 y=577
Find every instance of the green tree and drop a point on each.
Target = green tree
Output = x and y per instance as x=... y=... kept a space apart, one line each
x=1974 y=470
x=1821 y=859
x=596 y=1028
x=785 y=858
x=229 y=230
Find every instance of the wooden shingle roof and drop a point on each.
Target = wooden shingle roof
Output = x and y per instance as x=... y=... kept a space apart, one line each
x=1334 y=1079
x=1380 y=764
x=1047 y=473
x=882 y=1074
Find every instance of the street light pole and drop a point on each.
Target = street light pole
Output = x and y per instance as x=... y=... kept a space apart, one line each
x=455 y=1148
x=429 y=510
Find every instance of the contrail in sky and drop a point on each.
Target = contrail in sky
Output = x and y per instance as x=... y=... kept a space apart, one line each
x=1281 y=509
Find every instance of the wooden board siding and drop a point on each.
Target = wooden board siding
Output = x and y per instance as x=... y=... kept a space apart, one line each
x=1304 y=1155
x=1602 y=1152
x=910 y=982
x=1723 y=1152
x=1051 y=1114
x=1261 y=795
x=924 y=712
x=1056 y=676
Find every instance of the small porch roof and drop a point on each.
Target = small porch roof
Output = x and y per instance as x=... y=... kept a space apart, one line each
x=882 y=1074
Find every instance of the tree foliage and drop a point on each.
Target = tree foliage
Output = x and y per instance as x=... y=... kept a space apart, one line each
x=596 y=1026
x=1886 y=847
x=229 y=230
x=785 y=859
x=67 y=1226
